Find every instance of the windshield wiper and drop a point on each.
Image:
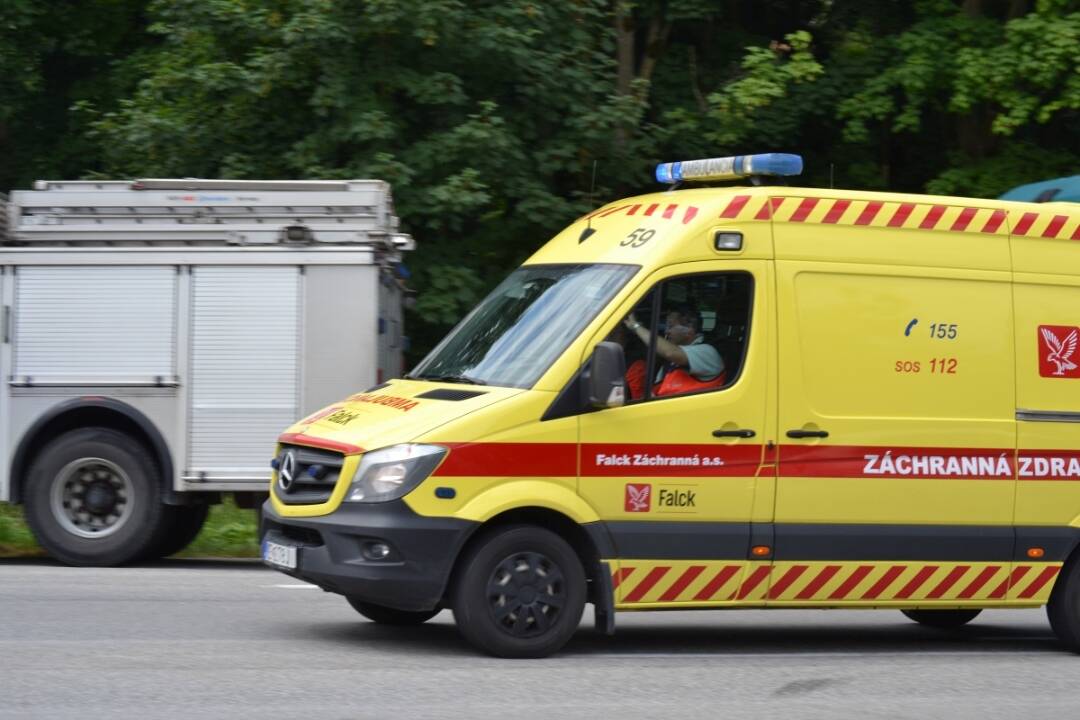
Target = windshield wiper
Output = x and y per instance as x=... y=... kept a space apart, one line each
x=464 y=379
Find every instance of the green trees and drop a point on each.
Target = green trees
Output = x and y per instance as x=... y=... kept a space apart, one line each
x=489 y=116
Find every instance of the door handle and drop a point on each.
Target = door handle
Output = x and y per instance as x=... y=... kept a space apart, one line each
x=807 y=434
x=734 y=433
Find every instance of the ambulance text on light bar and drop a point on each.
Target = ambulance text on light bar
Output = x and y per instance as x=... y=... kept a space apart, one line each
x=729 y=168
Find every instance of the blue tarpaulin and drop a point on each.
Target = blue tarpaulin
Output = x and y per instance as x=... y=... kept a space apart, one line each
x=1058 y=190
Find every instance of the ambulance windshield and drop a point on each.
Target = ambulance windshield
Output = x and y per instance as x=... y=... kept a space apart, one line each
x=518 y=331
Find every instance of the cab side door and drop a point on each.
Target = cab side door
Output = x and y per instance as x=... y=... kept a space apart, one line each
x=675 y=478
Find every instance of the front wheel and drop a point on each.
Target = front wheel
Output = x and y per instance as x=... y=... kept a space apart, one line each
x=390 y=616
x=519 y=593
x=942 y=619
x=94 y=498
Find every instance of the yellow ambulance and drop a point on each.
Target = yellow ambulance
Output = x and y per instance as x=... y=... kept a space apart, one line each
x=720 y=397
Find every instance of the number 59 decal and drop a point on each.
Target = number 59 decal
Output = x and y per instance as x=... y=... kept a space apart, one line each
x=638 y=238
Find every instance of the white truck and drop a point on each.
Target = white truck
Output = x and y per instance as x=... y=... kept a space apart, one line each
x=158 y=334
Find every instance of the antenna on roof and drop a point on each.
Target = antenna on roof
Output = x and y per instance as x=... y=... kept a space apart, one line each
x=588 y=231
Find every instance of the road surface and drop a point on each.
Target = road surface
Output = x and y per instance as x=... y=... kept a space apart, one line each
x=186 y=639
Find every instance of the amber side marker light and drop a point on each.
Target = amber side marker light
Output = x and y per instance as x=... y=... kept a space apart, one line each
x=760 y=550
x=1035 y=552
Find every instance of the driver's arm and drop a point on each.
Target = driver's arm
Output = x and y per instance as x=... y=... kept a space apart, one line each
x=665 y=348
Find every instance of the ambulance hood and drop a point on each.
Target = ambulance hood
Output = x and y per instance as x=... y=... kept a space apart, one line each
x=396 y=412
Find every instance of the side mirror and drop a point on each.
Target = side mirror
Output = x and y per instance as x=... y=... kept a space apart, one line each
x=607 y=381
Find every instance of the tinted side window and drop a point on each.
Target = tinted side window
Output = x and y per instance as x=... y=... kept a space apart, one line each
x=687 y=335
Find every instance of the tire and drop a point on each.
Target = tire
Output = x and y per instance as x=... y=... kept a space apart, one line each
x=389 y=616
x=519 y=593
x=183 y=526
x=93 y=498
x=942 y=619
x=1064 y=606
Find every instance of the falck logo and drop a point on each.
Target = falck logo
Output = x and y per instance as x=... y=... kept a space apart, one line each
x=638 y=498
x=1057 y=347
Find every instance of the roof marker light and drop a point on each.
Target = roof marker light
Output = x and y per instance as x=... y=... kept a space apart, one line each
x=729 y=168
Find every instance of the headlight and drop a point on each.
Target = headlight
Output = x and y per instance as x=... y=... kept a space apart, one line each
x=391 y=472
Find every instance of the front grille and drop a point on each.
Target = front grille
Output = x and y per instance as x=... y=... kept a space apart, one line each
x=314 y=474
x=297 y=534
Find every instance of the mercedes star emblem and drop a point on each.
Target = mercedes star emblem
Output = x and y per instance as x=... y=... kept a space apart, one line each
x=287 y=472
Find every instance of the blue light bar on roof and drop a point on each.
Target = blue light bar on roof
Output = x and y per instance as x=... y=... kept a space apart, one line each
x=729 y=168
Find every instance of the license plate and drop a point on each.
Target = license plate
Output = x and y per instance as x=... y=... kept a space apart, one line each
x=279 y=555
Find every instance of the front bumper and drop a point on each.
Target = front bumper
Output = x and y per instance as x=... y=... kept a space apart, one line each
x=330 y=552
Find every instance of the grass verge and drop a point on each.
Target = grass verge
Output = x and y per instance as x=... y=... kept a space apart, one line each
x=229 y=532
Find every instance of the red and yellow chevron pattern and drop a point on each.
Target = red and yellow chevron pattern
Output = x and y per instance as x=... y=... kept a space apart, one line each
x=868 y=213
x=651 y=583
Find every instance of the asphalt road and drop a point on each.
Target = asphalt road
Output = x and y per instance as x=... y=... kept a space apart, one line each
x=188 y=639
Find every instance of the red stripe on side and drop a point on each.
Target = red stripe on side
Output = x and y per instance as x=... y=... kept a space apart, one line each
x=633 y=460
x=735 y=206
x=848 y=585
x=994 y=222
x=753 y=581
x=1026 y=221
x=932 y=217
x=691 y=213
x=647 y=584
x=951 y=579
x=651 y=209
x=1076 y=233
x=619 y=575
x=302 y=439
x=836 y=212
x=980 y=580
x=1017 y=575
x=818 y=582
x=1037 y=584
x=901 y=215
x=869 y=213
x=916 y=582
x=633 y=209
x=1055 y=226
x=805 y=208
x=886 y=580
x=769 y=208
x=964 y=219
x=670 y=210
x=509 y=460
x=673 y=592
x=784 y=582
x=865 y=461
x=717 y=582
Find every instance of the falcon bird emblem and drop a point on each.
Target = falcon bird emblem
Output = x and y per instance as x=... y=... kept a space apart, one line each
x=1060 y=352
x=637 y=497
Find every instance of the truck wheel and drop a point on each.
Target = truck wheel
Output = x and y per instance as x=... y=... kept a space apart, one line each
x=390 y=616
x=94 y=498
x=183 y=526
x=519 y=593
x=1064 y=606
x=942 y=619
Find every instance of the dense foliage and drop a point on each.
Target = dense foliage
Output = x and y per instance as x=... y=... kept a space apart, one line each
x=490 y=116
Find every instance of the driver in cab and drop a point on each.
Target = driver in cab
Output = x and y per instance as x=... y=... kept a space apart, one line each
x=689 y=363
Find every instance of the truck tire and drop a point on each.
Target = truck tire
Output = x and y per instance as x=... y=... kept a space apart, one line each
x=184 y=524
x=390 y=616
x=94 y=498
x=1064 y=606
x=942 y=619
x=519 y=593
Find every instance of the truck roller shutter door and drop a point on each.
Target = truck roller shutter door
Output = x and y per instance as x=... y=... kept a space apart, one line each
x=81 y=325
x=244 y=367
